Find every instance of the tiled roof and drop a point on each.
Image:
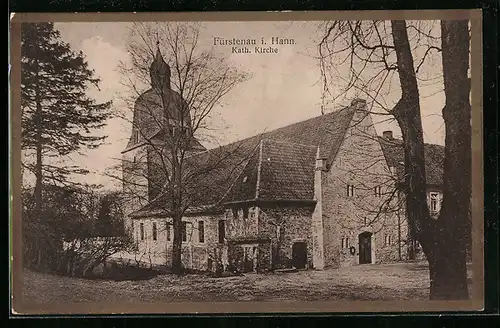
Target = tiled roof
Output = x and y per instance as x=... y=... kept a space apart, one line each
x=275 y=165
x=277 y=171
x=434 y=159
x=278 y=165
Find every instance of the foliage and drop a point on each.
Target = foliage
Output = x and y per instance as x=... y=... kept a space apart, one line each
x=75 y=231
x=58 y=118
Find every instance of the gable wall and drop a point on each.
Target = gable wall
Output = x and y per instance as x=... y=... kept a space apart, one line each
x=359 y=162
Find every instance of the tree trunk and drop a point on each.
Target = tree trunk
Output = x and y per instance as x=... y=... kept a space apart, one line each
x=38 y=168
x=441 y=240
x=177 y=245
x=407 y=114
x=450 y=272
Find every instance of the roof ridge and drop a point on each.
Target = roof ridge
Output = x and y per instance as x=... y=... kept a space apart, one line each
x=287 y=142
x=343 y=131
x=262 y=134
x=259 y=169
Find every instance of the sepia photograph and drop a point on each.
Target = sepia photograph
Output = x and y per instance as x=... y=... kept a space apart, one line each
x=289 y=163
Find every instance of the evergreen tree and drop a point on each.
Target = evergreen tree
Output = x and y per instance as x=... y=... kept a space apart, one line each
x=57 y=115
x=58 y=118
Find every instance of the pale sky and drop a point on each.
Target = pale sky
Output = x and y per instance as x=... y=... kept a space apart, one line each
x=284 y=87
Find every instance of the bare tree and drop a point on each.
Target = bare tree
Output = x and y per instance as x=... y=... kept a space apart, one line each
x=174 y=174
x=376 y=56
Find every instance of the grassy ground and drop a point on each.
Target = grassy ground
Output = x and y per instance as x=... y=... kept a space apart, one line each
x=365 y=282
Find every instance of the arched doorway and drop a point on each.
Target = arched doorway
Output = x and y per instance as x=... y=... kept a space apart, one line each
x=365 y=247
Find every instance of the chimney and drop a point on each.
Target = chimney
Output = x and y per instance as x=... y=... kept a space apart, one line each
x=387 y=135
x=358 y=103
x=317 y=216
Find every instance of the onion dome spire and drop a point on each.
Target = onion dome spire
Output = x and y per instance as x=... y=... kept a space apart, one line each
x=159 y=70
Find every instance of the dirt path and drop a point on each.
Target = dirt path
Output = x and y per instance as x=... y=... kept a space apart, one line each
x=365 y=282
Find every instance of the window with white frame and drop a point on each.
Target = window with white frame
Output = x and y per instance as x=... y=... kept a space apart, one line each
x=135 y=136
x=222 y=231
x=142 y=230
x=201 y=231
x=155 y=231
x=345 y=242
x=167 y=231
x=388 y=240
x=434 y=202
x=350 y=190
x=378 y=191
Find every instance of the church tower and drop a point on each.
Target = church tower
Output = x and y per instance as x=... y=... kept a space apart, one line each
x=161 y=122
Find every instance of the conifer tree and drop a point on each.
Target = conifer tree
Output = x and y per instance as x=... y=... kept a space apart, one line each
x=58 y=118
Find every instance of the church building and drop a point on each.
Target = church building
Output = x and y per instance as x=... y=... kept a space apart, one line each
x=311 y=195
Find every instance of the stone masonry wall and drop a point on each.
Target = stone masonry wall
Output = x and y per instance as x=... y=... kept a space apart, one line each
x=195 y=253
x=240 y=225
x=361 y=164
x=295 y=223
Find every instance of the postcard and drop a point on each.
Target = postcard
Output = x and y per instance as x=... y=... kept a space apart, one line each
x=246 y=162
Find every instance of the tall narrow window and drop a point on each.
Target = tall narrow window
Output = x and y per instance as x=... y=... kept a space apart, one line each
x=347 y=242
x=135 y=136
x=155 y=232
x=245 y=212
x=184 y=231
x=142 y=231
x=388 y=240
x=167 y=230
x=350 y=190
x=222 y=231
x=378 y=191
x=434 y=202
x=201 y=231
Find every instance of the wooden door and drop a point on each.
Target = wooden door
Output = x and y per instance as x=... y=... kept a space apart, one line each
x=365 y=248
x=248 y=259
x=299 y=255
